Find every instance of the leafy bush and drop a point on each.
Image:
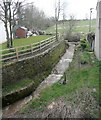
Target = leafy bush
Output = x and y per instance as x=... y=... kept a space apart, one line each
x=83 y=41
x=83 y=59
x=83 y=44
x=72 y=37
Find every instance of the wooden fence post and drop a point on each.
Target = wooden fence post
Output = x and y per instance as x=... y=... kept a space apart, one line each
x=59 y=37
x=17 y=55
x=31 y=49
x=40 y=45
x=51 y=40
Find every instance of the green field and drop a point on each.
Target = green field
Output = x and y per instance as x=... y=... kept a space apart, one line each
x=80 y=26
x=83 y=26
x=26 y=41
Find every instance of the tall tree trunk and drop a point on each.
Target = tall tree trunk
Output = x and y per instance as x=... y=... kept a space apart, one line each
x=56 y=29
x=10 y=26
x=7 y=36
x=56 y=20
x=57 y=13
x=6 y=26
x=13 y=26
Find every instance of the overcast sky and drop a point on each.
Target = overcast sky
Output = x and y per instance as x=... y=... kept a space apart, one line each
x=79 y=8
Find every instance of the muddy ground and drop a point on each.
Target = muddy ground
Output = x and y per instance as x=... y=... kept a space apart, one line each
x=80 y=105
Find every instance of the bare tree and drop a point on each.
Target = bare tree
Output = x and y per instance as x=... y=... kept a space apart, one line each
x=70 y=26
x=64 y=16
x=8 y=14
x=35 y=18
x=17 y=13
x=4 y=17
x=71 y=23
x=57 y=14
x=59 y=8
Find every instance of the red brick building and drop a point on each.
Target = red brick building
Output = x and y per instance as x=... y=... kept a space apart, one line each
x=21 y=32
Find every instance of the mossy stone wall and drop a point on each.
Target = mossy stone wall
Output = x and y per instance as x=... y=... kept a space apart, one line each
x=31 y=68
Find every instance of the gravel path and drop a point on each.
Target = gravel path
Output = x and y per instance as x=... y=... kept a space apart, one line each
x=55 y=76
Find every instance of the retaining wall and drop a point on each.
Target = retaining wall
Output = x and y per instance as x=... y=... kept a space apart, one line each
x=32 y=67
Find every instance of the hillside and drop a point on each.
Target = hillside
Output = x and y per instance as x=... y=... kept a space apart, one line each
x=81 y=26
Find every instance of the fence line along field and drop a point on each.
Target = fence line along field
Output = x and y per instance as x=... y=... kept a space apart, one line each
x=21 y=52
x=25 y=46
x=26 y=41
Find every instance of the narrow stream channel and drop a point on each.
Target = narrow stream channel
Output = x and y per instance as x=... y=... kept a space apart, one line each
x=62 y=65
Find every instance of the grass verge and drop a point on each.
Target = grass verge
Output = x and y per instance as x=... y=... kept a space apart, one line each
x=26 y=41
x=79 y=76
x=16 y=86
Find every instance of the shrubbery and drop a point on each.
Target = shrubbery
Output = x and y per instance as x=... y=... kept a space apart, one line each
x=72 y=37
x=83 y=44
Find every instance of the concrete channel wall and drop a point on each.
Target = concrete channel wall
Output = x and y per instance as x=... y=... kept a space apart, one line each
x=98 y=31
x=30 y=68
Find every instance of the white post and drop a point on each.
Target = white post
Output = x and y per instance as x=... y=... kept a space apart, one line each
x=98 y=32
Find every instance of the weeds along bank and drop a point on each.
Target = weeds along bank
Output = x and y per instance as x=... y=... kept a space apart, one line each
x=17 y=76
x=33 y=67
x=79 y=98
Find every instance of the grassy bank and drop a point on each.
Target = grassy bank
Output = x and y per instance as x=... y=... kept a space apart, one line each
x=26 y=41
x=16 y=86
x=82 y=78
x=21 y=74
